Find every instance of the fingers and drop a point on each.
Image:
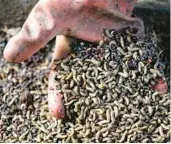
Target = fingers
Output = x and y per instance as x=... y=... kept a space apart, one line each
x=35 y=33
x=62 y=48
x=55 y=99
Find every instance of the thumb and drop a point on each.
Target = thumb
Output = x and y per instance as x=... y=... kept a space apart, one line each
x=55 y=99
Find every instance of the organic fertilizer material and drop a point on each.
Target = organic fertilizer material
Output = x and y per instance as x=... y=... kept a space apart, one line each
x=108 y=93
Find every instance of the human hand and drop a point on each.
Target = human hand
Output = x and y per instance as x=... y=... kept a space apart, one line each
x=82 y=19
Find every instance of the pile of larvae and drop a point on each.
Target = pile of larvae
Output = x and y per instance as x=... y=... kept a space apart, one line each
x=108 y=91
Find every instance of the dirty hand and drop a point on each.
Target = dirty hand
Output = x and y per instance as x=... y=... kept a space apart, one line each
x=83 y=19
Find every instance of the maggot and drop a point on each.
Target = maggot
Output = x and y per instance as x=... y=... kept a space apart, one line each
x=12 y=101
x=100 y=69
x=107 y=139
x=69 y=103
x=123 y=137
x=65 y=86
x=65 y=67
x=100 y=77
x=155 y=73
x=96 y=71
x=117 y=90
x=78 y=128
x=57 y=62
x=130 y=120
x=135 y=55
x=128 y=38
x=88 y=75
x=109 y=80
x=112 y=84
x=87 y=102
x=95 y=100
x=150 y=110
x=88 y=131
x=67 y=91
x=108 y=115
x=91 y=84
x=122 y=42
x=61 y=136
x=131 y=106
x=102 y=123
x=79 y=78
x=140 y=66
x=143 y=128
x=23 y=135
x=74 y=75
x=116 y=110
x=128 y=87
x=80 y=62
x=133 y=74
x=140 y=53
x=154 y=95
x=71 y=85
x=109 y=97
x=116 y=71
x=123 y=74
x=96 y=62
x=121 y=51
x=113 y=42
x=107 y=33
x=145 y=70
x=120 y=80
x=105 y=66
x=163 y=100
x=67 y=59
x=167 y=102
x=143 y=112
x=14 y=134
x=126 y=116
x=93 y=94
x=98 y=135
x=84 y=79
x=133 y=138
x=145 y=140
x=107 y=55
x=165 y=127
x=106 y=128
x=76 y=90
x=132 y=49
x=83 y=93
x=161 y=131
x=85 y=67
x=157 y=139
x=89 y=88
